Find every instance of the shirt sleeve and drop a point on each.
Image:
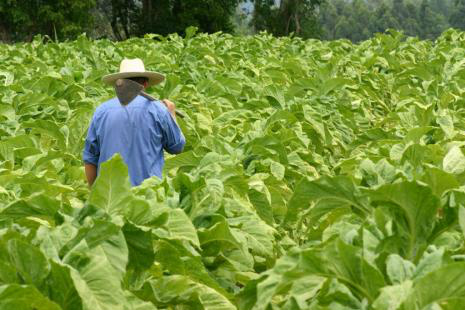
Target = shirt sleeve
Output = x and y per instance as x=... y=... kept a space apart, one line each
x=91 y=152
x=173 y=140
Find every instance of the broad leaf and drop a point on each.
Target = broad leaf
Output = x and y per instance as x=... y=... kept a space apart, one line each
x=111 y=190
x=24 y=297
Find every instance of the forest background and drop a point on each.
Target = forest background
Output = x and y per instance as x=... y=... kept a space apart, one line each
x=355 y=20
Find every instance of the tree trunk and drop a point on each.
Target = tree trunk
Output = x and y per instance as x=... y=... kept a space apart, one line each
x=114 y=19
x=125 y=19
x=297 y=23
x=288 y=25
x=4 y=34
x=146 y=13
x=286 y=16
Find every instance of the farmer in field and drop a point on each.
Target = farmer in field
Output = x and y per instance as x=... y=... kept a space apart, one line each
x=139 y=129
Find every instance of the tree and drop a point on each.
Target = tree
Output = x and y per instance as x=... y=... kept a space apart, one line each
x=432 y=24
x=209 y=16
x=399 y=11
x=297 y=16
x=444 y=7
x=362 y=18
x=65 y=19
x=457 y=19
x=384 y=19
x=328 y=19
x=361 y=27
x=343 y=29
x=21 y=20
x=135 y=18
x=120 y=13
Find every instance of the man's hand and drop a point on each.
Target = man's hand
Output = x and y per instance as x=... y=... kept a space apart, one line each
x=171 y=107
x=91 y=173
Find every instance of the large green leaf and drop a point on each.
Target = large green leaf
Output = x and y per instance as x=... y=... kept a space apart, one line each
x=179 y=226
x=444 y=285
x=312 y=267
x=353 y=268
x=105 y=235
x=40 y=206
x=111 y=190
x=414 y=206
x=454 y=161
x=440 y=181
x=48 y=128
x=330 y=193
x=176 y=258
x=24 y=297
x=30 y=263
x=95 y=279
x=140 y=246
x=398 y=269
x=180 y=290
x=67 y=296
x=392 y=297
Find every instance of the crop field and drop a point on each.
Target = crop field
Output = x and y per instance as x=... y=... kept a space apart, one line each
x=316 y=175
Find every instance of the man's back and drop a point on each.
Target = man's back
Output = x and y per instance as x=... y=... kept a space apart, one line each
x=138 y=131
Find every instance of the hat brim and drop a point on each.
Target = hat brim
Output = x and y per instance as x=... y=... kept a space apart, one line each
x=154 y=78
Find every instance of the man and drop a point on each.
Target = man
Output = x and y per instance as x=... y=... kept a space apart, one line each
x=139 y=131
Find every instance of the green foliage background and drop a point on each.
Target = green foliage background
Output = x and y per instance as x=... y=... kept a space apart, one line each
x=21 y=20
x=356 y=20
x=317 y=175
x=359 y=20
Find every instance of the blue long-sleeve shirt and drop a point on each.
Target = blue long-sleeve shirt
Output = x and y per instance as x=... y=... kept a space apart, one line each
x=138 y=131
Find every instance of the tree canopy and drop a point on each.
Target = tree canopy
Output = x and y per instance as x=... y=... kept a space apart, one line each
x=355 y=20
x=21 y=20
x=63 y=19
x=135 y=18
x=358 y=20
x=289 y=16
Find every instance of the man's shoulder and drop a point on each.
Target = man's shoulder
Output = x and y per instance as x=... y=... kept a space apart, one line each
x=158 y=107
x=111 y=103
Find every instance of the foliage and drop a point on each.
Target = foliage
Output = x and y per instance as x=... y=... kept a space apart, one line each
x=358 y=20
x=118 y=19
x=129 y=18
x=61 y=19
x=289 y=16
x=457 y=18
x=317 y=175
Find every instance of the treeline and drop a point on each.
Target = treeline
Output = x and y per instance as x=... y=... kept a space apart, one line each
x=358 y=20
x=117 y=19
x=120 y=19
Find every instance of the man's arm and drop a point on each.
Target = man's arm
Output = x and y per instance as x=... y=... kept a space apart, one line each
x=171 y=107
x=91 y=153
x=91 y=173
x=173 y=139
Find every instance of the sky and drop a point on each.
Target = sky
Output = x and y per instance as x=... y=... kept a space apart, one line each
x=247 y=5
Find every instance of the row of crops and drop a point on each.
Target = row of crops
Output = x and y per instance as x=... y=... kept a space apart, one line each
x=316 y=175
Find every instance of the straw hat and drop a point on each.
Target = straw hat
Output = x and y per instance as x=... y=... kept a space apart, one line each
x=130 y=68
